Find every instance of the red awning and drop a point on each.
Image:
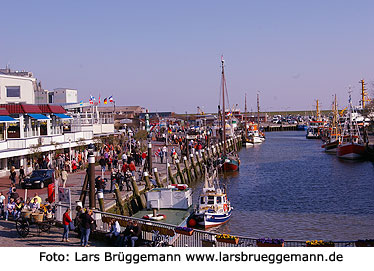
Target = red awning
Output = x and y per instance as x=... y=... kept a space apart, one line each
x=4 y=112
x=21 y=108
x=47 y=108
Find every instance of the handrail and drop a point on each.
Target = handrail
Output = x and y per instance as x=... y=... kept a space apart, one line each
x=200 y=236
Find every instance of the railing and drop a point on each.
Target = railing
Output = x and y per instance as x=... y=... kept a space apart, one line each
x=199 y=238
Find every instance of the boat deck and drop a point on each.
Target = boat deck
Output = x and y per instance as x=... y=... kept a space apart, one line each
x=175 y=217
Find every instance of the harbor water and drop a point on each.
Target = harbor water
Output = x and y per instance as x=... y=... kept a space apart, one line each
x=289 y=188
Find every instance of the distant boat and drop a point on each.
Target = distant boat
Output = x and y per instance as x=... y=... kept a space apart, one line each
x=352 y=145
x=332 y=141
x=315 y=126
x=302 y=127
x=314 y=129
x=214 y=208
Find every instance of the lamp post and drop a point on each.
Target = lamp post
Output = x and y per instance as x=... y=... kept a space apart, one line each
x=91 y=177
x=70 y=164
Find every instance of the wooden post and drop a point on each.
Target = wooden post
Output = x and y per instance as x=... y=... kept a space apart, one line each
x=148 y=184
x=206 y=151
x=188 y=171
x=135 y=187
x=180 y=173
x=194 y=166
x=204 y=156
x=199 y=164
x=100 y=198
x=118 y=199
x=157 y=177
x=171 y=177
x=83 y=195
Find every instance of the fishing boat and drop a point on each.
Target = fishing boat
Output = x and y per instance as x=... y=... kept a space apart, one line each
x=214 y=208
x=332 y=142
x=316 y=126
x=352 y=145
x=228 y=161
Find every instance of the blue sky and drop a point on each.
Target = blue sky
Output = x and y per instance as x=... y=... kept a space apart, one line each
x=165 y=55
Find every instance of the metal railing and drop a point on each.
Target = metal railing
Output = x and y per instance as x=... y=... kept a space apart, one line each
x=199 y=238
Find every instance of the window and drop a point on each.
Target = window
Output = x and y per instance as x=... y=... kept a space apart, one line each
x=210 y=200
x=202 y=200
x=219 y=200
x=13 y=92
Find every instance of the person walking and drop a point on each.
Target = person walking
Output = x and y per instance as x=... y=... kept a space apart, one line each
x=86 y=222
x=21 y=175
x=12 y=175
x=64 y=177
x=66 y=222
x=2 y=203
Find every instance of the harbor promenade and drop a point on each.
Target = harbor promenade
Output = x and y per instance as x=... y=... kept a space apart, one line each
x=8 y=233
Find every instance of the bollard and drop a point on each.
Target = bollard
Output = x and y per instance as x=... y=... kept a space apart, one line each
x=171 y=175
x=188 y=171
x=194 y=166
x=91 y=181
x=118 y=199
x=100 y=198
x=148 y=184
x=157 y=177
x=180 y=173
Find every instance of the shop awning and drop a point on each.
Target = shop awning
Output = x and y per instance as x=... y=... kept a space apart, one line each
x=63 y=116
x=7 y=119
x=38 y=116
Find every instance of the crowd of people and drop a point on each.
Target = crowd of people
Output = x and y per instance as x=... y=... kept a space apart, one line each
x=128 y=237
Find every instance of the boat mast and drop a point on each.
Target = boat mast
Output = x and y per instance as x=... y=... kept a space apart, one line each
x=363 y=94
x=223 y=106
x=318 y=112
x=246 y=116
x=258 y=111
x=335 y=120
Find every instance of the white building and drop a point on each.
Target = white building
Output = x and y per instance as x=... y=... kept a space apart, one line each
x=65 y=96
x=17 y=89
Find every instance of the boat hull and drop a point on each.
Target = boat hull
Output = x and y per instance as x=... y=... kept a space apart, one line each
x=213 y=220
x=247 y=144
x=351 y=151
x=331 y=147
x=255 y=140
x=230 y=165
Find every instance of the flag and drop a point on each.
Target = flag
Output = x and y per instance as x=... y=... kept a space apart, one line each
x=99 y=99
x=81 y=103
x=91 y=100
x=111 y=99
x=105 y=101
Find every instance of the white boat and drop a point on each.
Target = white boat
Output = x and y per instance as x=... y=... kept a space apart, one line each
x=214 y=208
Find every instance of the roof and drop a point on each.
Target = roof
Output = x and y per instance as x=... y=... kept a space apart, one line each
x=21 y=108
x=4 y=112
x=47 y=108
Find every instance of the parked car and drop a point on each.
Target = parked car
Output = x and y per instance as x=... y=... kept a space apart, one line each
x=38 y=178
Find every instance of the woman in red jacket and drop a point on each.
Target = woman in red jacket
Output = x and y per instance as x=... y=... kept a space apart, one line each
x=65 y=222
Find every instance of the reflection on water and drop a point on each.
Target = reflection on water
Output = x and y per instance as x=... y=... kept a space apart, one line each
x=289 y=188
